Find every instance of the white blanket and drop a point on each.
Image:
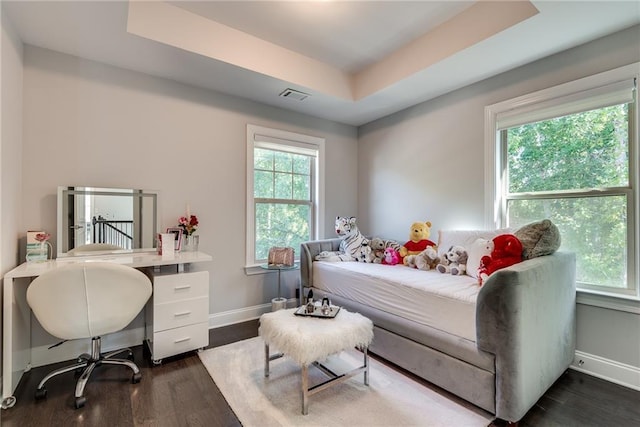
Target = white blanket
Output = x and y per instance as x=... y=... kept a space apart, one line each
x=441 y=301
x=308 y=339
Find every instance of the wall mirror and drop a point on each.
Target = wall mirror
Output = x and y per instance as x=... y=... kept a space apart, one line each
x=119 y=219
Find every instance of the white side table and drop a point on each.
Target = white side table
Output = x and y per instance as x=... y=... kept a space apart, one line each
x=279 y=302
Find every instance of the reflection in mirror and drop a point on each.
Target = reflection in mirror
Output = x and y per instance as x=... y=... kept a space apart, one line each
x=93 y=248
x=104 y=218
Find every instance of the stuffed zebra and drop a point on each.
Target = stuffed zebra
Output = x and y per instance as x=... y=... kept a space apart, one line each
x=353 y=247
x=378 y=246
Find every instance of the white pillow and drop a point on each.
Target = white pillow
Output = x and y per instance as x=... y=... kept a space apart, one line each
x=464 y=238
x=476 y=251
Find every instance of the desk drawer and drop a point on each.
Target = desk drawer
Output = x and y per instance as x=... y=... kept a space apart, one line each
x=180 y=313
x=175 y=287
x=180 y=340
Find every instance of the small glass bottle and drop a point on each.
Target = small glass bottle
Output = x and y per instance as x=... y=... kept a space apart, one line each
x=326 y=307
x=310 y=305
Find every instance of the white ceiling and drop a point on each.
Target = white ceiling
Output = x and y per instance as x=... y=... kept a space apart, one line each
x=345 y=35
x=358 y=60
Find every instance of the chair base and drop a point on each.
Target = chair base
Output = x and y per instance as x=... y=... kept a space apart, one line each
x=86 y=363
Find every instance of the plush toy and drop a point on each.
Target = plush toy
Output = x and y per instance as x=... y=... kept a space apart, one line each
x=427 y=259
x=365 y=254
x=353 y=247
x=443 y=264
x=377 y=249
x=538 y=238
x=454 y=261
x=507 y=250
x=409 y=261
x=353 y=243
x=418 y=240
x=391 y=244
x=378 y=246
x=391 y=257
x=476 y=250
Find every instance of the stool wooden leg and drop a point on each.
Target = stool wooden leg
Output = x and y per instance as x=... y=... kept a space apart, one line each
x=305 y=390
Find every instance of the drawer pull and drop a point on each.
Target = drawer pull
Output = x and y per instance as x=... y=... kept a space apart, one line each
x=184 y=313
x=180 y=288
x=182 y=340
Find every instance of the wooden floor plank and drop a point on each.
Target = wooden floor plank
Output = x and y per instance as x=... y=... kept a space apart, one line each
x=180 y=392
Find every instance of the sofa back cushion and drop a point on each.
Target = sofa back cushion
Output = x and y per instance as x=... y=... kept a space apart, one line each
x=538 y=238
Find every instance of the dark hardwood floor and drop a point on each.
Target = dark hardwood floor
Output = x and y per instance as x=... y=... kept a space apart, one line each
x=180 y=392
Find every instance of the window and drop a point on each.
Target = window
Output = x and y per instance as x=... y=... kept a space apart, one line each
x=567 y=154
x=284 y=190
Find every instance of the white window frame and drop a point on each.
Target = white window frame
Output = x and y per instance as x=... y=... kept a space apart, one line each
x=259 y=136
x=547 y=100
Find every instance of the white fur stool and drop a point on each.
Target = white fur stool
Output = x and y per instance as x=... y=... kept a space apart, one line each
x=309 y=340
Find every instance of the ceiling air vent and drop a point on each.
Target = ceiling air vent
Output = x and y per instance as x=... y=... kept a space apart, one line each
x=294 y=94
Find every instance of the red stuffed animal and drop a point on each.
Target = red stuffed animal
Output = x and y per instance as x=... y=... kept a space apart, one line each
x=507 y=250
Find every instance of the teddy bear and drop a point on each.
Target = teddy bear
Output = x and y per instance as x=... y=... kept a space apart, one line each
x=377 y=246
x=364 y=254
x=391 y=256
x=476 y=250
x=427 y=259
x=418 y=240
x=454 y=261
x=506 y=251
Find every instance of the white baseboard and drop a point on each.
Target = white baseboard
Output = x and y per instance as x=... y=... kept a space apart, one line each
x=608 y=370
x=42 y=355
x=244 y=314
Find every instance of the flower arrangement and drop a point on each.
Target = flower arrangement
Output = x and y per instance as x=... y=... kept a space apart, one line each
x=188 y=225
x=43 y=237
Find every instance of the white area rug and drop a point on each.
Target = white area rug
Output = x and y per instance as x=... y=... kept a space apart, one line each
x=392 y=399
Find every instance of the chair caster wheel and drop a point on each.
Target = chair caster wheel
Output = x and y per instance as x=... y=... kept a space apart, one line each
x=41 y=393
x=135 y=379
x=80 y=401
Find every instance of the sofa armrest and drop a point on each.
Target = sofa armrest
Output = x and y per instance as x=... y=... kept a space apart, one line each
x=308 y=252
x=525 y=316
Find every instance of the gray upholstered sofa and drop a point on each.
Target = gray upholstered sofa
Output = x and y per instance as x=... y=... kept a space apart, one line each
x=525 y=334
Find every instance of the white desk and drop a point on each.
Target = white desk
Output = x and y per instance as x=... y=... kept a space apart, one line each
x=16 y=333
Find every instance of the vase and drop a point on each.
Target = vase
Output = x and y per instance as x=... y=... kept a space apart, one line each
x=39 y=252
x=190 y=243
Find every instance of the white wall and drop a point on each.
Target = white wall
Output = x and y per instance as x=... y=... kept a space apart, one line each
x=91 y=124
x=426 y=162
x=10 y=148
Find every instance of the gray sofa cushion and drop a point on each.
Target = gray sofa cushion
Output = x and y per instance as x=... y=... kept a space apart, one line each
x=538 y=239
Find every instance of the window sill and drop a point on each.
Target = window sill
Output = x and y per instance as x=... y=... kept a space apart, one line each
x=251 y=270
x=629 y=304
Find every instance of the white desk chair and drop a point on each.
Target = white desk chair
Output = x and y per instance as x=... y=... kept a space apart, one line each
x=87 y=300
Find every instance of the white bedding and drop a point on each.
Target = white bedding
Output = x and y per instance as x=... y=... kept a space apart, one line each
x=430 y=298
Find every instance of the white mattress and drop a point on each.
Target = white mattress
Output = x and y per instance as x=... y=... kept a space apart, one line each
x=430 y=298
